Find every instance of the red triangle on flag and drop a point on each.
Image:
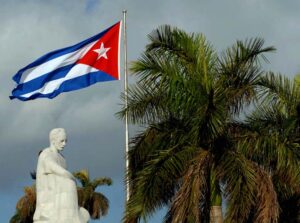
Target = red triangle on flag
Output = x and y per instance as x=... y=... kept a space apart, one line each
x=104 y=54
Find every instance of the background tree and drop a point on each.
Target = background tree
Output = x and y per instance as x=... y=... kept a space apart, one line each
x=274 y=139
x=25 y=207
x=95 y=202
x=270 y=136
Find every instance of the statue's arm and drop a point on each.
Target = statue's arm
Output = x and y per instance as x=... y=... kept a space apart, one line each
x=53 y=168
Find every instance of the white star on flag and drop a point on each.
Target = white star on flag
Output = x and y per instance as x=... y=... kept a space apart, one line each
x=102 y=51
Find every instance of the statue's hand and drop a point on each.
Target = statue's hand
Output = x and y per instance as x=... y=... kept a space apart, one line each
x=71 y=176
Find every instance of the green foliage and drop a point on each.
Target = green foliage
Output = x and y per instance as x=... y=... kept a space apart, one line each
x=195 y=147
x=95 y=202
x=25 y=207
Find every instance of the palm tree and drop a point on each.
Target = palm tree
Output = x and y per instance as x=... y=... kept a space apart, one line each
x=191 y=152
x=25 y=206
x=275 y=128
x=269 y=136
x=95 y=202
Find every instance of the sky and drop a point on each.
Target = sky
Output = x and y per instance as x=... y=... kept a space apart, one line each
x=31 y=28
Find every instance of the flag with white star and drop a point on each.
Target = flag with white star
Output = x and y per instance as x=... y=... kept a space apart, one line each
x=93 y=60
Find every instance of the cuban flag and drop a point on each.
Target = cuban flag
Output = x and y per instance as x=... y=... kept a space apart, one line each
x=81 y=65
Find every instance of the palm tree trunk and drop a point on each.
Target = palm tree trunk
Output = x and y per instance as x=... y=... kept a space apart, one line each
x=216 y=214
x=216 y=199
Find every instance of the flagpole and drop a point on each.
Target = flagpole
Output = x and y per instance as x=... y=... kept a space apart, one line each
x=126 y=103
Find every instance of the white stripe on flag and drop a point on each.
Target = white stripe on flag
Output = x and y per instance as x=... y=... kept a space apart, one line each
x=77 y=71
x=54 y=64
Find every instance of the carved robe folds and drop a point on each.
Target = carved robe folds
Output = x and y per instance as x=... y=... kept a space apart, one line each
x=57 y=200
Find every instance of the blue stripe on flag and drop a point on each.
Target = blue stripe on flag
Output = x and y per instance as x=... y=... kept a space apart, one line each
x=57 y=53
x=39 y=82
x=71 y=85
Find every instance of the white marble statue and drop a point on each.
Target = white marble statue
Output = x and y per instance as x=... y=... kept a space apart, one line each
x=57 y=200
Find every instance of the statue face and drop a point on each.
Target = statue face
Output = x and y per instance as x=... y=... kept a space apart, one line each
x=60 y=141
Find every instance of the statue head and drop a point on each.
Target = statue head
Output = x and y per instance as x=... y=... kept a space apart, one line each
x=58 y=138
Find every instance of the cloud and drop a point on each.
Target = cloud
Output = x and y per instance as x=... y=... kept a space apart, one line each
x=34 y=29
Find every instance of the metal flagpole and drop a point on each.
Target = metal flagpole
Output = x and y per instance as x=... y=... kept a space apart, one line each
x=126 y=103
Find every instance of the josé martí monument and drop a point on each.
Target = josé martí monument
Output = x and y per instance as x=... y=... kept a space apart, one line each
x=57 y=200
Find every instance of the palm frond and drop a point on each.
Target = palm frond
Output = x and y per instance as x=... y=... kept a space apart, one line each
x=267 y=207
x=176 y=44
x=239 y=69
x=155 y=184
x=155 y=138
x=83 y=177
x=101 y=181
x=100 y=205
x=279 y=91
x=238 y=176
x=189 y=203
x=26 y=205
x=270 y=139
